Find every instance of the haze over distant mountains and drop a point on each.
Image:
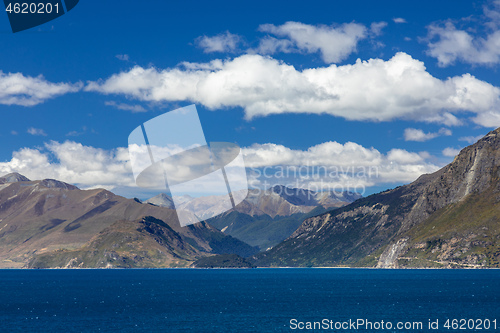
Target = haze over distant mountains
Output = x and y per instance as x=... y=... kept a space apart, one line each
x=265 y=217
x=278 y=200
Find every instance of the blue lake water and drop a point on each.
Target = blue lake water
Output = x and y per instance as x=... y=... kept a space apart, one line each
x=254 y=300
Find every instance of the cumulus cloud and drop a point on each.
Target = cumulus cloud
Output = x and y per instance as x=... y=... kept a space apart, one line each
x=375 y=90
x=36 y=131
x=449 y=44
x=450 y=152
x=73 y=163
x=490 y=118
x=399 y=20
x=348 y=165
x=127 y=107
x=413 y=134
x=333 y=43
x=453 y=44
x=17 y=89
x=329 y=163
x=225 y=42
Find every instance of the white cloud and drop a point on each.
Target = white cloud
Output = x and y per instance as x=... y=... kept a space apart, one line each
x=333 y=43
x=225 y=42
x=333 y=166
x=376 y=90
x=328 y=153
x=376 y=28
x=347 y=164
x=17 y=89
x=449 y=44
x=127 y=107
x=445 y=118
x=36 y=131
x=73 y=163
x=454 y=44
x=399 y=20
x=490 y=118
x=471 y=139
x=13 y=132
x=403 y=157
x=451 y=152
x=413 y=134
x=271 y=45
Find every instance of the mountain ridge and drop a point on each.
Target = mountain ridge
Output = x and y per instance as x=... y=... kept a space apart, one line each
x=51 y=218
x=374 y=231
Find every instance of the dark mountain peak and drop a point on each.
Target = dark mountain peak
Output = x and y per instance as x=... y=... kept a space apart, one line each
x=13 y=177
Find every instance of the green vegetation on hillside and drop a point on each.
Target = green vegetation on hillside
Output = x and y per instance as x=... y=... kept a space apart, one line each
x=223 y=261
x=464 y=233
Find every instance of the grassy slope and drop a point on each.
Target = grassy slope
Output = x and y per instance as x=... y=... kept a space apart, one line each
x=146 y=243
x=464 y=233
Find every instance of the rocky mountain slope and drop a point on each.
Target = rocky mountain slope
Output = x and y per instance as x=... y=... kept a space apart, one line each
x=265 y=217
x=49 y=223
x=450 y=218
x=277 y=201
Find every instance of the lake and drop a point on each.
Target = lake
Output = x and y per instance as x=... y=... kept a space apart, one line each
x=249 y=300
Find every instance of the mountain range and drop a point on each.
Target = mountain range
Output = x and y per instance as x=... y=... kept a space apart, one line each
x=48 y=223
x=447 y=219
x=450 y=218
x=265 y=217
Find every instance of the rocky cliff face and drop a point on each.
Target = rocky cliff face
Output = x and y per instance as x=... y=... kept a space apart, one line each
x=380 y=230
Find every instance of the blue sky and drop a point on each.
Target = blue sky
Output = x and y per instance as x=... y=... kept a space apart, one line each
x=389 y=84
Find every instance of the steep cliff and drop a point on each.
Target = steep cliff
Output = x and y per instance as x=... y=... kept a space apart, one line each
x=391 y=229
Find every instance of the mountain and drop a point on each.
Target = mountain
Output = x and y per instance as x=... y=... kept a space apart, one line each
x=450 y=218
x=161 y=200
x=266 y=218
x=48 y=223
x=262 y=231
x=277 y=201
x=13 y=178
